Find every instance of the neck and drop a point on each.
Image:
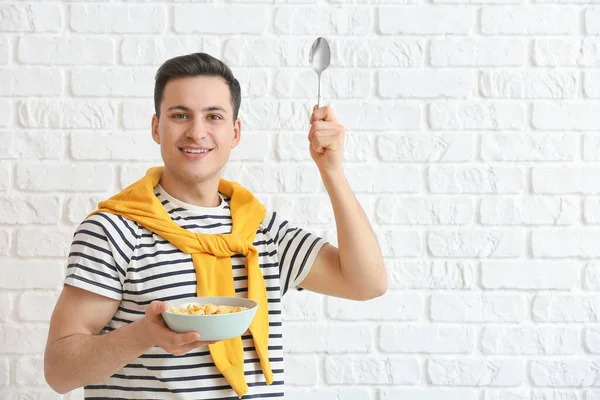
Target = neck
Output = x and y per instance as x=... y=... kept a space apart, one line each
x=201 y=194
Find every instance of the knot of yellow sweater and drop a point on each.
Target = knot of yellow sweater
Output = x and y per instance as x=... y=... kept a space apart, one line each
x=211 y=256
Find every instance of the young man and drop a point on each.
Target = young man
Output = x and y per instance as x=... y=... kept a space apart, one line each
x=181 y=231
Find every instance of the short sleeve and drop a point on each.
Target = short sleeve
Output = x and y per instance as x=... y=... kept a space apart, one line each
x=100 y=252
x=297 y=250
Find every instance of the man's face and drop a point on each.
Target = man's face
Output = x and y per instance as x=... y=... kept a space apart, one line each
x=196 y=130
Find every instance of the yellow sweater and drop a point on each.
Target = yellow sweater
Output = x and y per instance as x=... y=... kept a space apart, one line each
x=211 y=255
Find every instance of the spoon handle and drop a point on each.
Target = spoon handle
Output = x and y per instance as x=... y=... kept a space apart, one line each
x=319 y=92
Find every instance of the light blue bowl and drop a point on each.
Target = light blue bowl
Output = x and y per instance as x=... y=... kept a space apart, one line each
x=212 y=327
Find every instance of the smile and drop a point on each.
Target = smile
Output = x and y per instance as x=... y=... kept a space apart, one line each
x=195 y=153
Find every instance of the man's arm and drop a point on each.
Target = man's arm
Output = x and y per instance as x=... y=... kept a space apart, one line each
x=356 y=270
x=77 y=356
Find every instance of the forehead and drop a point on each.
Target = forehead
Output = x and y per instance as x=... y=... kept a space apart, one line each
x=197 y=92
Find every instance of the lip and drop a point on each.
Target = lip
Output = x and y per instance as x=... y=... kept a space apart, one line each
x=195 y=156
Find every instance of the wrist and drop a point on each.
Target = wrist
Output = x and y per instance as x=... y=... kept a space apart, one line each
x=332 y=174
x=141 y=333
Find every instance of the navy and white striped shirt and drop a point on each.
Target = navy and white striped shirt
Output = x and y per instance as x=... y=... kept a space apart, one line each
x=119 y=259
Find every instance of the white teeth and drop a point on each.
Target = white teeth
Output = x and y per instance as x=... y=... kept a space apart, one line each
x=195 y=151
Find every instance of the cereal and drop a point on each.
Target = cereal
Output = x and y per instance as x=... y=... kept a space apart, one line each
x=206 y=309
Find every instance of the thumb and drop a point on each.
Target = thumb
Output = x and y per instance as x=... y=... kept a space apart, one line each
x=156 y=308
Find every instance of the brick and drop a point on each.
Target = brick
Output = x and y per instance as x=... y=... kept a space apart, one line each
x=6 y=171
x=591 y=275
x=426 y=339
x=529 y=84
x=58 y=50
x=301 y=306
x=591 y=210
x=592 y=395
x=591 y=147
x=528 y=20
x=4 y=372
x=321 y=21
x=425 y=147
x=28 y=371
x=291 y=146
x=137 y=114
x=528 y=147
x=37 y=306
x=565 y=179
x=426 y=20
x=67 y=114
x=477 y=308
x=376 y=179
x=131 y=173
x=19 y=209
x=592 y=16
x=477 y=52
x=113 y=82
x=37 y=145
x=261 y=114
x=6 y=305
x=37 y=394
x=434 y=210
x=477 y=243
x=6 y=112
x=489 y=179
x=4 y=243
x=591 y=87
x=252 y=147
x=427 y=394
x=156 y=50
x=430 y=274
x=392 y=306
x=372 y=370
x=118 y=18
x=136 y=146
x=282 y=52
x=28 y=274
x=46 y=242
x=592 y=340
x=268 y=178
x=378 y=117
x=210 y=19
x=566 y=308
x=303 y=370
x=524 y=394
x=321 y=338
x=426 y=83
x=328 y=394
x=23 y=339
x=335 y=84
x=533 y=210
x=470 y=115
x=567 y=52
x=473 y=372
x=566 y=116
x=64 y=177
x=305 y=209
x=31 y=81
x=78 y=207
x=389 y=240
x=529 y=275
x=569 y=372
x=31 y=18
x=530 y=341
x=254 y=83
x=563 y=243
x=5 y=50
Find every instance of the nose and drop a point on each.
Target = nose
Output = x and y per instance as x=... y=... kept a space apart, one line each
x=196 y=130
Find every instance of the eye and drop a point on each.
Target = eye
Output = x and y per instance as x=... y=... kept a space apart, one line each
x=214 y=117
x=180 y=116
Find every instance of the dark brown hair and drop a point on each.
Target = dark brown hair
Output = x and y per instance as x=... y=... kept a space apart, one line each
x=196 y=64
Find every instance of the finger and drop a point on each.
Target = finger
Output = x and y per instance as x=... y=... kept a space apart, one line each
x=191 y=346
x=156 y=308
x=323 y=113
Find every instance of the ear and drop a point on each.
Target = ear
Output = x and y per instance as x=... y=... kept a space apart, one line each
x=237 y=133
x=155 y=135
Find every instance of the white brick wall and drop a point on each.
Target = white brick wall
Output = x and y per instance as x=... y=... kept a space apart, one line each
x=472 y=143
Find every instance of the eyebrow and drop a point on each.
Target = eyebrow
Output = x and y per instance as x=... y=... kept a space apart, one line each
x=205 y=109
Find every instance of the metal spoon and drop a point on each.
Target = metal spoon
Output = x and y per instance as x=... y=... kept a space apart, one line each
x=320 y=57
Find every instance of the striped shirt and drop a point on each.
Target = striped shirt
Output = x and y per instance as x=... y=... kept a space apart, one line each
x=117 y=258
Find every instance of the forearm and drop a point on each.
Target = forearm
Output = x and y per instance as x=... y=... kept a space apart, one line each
x=359 y=252
x=82 y=359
